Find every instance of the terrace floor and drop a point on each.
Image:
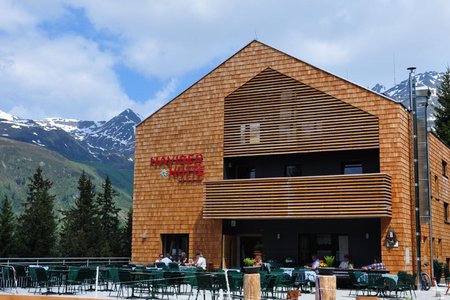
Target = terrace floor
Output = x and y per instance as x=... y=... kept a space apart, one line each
x=24 y=294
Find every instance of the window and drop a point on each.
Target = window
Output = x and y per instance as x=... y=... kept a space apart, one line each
x=444 y=168
x=446 y=213
x=293 y=170
x=174 y=244
x=242 y=132
x=250 y=133
x=254 y=133
x=353 y=168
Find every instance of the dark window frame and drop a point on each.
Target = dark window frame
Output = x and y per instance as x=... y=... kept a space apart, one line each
x=353 y=164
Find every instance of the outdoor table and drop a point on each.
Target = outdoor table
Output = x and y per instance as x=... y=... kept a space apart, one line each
x=186 y=268
x=287 y=271
x=310 y=275
x=392 y=276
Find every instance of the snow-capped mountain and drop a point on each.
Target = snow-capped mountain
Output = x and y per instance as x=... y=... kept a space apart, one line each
x=88 y=141
x=115 y=136
x=399 y=92
x=78 y=129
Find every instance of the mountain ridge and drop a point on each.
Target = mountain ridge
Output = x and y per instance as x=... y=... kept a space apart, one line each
x=105 y=141
x=105 y=148
x=399 y=92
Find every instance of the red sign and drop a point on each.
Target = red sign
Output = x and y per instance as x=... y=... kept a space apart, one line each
x=184 y=167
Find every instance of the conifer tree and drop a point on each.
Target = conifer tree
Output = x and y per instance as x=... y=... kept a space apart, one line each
x=127 y=232
x=37 y=224
x=7 y=229
x=442 y=123
x=108 y=216
x=80 y=226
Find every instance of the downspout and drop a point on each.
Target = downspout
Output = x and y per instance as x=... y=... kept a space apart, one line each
x=412 y=103
x=422 y=96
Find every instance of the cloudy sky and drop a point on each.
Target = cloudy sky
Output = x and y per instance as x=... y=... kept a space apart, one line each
x=93 y=59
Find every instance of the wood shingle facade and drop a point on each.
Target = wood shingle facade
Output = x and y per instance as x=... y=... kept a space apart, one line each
x=269 y=149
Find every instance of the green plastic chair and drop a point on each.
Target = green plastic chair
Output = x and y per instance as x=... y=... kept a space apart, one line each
x=358 y=283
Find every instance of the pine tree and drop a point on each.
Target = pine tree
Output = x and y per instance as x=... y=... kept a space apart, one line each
x=127 y=232
x=442 y=123
x=7 y=229
x=37 y=224
x=80 y=229
x=109 y=220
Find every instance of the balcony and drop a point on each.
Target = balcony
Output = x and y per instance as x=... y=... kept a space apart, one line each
x=309 y=197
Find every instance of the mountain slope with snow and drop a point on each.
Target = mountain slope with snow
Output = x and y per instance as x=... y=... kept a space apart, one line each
x=86 y=141
x=399 y=92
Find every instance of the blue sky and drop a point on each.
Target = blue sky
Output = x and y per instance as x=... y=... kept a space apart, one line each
x=93 y=59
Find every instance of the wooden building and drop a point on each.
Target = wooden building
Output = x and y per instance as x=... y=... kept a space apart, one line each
x=269 y=150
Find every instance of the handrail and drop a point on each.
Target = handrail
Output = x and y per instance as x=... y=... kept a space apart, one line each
x=63 y=260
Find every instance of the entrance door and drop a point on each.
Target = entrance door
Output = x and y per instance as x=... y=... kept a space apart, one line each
x=247 y=245
x=230 y=251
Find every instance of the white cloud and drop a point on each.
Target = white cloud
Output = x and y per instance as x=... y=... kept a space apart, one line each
x=72 y=74
x=153 y=104
x=43 y=77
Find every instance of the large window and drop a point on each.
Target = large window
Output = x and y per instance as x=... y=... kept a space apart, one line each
x=174 y=244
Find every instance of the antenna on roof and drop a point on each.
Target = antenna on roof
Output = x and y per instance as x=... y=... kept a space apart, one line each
x=256 y=36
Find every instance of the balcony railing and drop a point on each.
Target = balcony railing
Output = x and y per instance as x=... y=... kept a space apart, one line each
x=338 y=196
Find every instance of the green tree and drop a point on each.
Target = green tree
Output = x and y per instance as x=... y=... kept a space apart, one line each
x=127 y=232
x=442 y=123
x=80 y=225
x=7 y=229
x=108 y=216
x=37 y=224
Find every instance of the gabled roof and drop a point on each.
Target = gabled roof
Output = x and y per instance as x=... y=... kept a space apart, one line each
x=272 y=48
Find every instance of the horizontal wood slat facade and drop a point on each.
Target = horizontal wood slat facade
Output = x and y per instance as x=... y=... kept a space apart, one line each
x=339 y=196
x=275 y=114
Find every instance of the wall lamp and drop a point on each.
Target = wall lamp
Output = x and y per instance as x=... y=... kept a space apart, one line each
x=391 y=239
x=144 y=235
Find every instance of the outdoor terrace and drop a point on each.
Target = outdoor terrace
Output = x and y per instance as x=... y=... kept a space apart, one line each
x=182 y=283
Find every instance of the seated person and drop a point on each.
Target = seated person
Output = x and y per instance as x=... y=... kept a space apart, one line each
x=315 y=263
x=200 y=262
x=311 y=275
x=166 y=259
x=376 y=265
x=346 y=264
x=183 y=259
x=161 y=256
